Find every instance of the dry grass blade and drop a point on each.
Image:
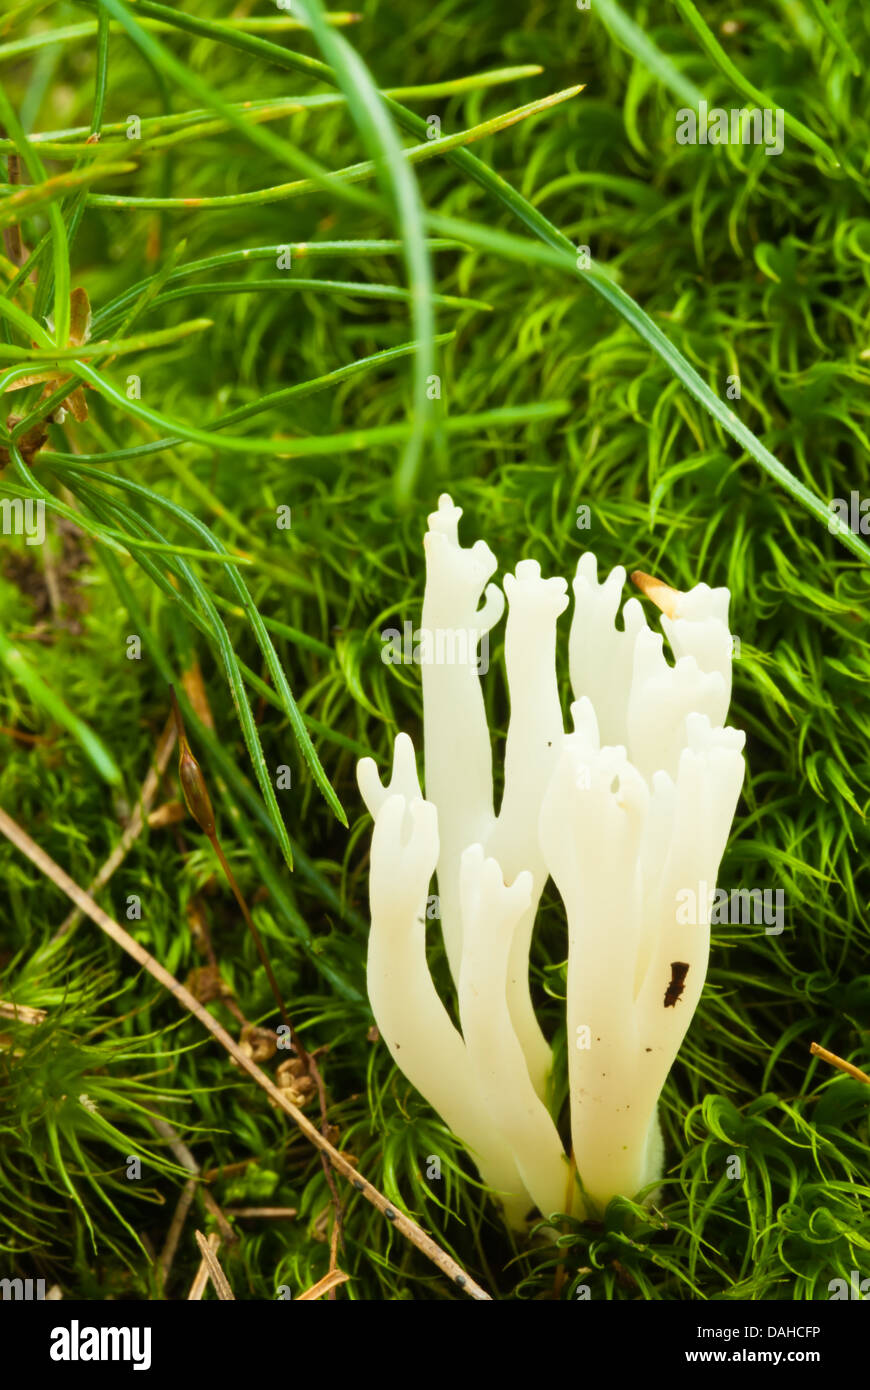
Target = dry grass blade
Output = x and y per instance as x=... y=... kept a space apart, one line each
x=403 y=1224
x=262 y=1213
x=21 y=1013
x=325 y=1285
x=836 y=1061
x=209 y=1249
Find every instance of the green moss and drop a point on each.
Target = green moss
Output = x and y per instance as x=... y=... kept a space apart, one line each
x=751 y=266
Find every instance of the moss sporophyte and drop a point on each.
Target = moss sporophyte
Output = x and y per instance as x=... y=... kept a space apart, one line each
x=623 y=811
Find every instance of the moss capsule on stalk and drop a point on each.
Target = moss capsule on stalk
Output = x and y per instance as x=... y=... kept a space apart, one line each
x=192 y=781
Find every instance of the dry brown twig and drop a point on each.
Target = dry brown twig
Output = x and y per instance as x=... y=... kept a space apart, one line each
x=173 y=1235
x=208 y=1249
x=197 y=1288
x=403 y=1224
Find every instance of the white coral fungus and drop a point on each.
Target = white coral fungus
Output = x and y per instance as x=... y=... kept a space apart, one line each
x=625 y=812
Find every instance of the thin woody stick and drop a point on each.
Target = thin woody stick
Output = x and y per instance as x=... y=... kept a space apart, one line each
x=187 y=1160
x=408 y=1228
x=836 y=1061
x=197 y=1288
x=208 y=1249
x=183 y=1205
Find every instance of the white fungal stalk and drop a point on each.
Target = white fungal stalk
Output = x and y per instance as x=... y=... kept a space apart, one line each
x=625 y=813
